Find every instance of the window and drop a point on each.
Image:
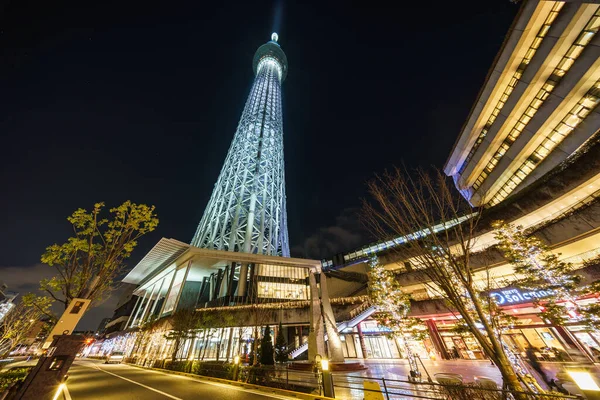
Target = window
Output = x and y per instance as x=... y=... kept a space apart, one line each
x=175 y=289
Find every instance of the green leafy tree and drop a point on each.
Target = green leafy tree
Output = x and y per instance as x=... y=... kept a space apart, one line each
x=266 y=348
x=281 y=346
x=88 y=262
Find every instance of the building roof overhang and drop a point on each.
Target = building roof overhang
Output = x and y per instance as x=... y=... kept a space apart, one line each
x=163 y=253
x=168 y=251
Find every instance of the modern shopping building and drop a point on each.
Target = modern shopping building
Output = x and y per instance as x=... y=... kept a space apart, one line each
x=528 y=152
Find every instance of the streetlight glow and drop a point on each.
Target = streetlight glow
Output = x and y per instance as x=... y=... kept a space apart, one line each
x=584 y=380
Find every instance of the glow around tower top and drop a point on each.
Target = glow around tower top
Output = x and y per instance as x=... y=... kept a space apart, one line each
x=271 y=49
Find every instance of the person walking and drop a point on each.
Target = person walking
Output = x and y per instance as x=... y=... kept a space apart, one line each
x=535 y=364
x=455 y=354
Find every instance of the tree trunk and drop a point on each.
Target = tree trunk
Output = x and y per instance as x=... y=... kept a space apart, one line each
x=502 y=363
x=175 y=349
x=255 y=347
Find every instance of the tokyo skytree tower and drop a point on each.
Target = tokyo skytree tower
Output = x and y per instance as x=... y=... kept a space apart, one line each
x=246 y=211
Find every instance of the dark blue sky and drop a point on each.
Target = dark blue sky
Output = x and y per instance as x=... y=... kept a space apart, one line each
x=109 y=101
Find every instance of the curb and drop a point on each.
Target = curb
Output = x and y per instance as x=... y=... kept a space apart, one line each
x=266 y=389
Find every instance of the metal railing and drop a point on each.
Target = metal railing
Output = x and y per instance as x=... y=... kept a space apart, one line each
x=348 y=387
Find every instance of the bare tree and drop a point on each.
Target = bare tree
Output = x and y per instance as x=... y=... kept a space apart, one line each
x=436 y=230
x=16 y=325
x=184 y=325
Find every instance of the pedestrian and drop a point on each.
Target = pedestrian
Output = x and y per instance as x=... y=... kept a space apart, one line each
x=535 y=364
x=455 y=354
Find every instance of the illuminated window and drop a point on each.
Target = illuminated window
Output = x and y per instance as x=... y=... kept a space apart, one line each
x=585 y=105
x=514 y=80
x=563 y=66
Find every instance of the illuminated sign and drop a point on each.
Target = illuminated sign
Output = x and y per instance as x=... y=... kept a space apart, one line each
x=516 y=296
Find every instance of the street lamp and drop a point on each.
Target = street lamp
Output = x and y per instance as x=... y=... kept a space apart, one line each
x=327 y=379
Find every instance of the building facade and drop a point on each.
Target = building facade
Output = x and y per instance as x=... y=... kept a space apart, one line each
x=528 y=153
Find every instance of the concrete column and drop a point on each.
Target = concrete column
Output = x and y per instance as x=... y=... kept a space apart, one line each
x=241 y=288
x=230 y=280
x=361 y=340
x=336 y=354
x=316 y=339
x=133 y=312
x=436 y=339
x=223 y=287
x=211 y=290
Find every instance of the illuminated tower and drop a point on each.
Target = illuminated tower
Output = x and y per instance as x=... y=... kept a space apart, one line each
x=246 y=211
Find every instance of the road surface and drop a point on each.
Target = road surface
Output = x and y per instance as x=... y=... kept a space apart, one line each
x=91 y=379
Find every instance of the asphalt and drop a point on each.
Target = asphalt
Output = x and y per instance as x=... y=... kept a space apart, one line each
x=90 y=380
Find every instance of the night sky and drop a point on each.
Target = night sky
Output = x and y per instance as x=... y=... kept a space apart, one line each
x=110 y=101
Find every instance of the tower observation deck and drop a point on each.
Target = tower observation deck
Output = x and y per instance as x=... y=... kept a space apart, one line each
x=247 y=211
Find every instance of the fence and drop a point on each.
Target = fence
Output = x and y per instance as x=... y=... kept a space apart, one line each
x=391 y=389
x=276 y=376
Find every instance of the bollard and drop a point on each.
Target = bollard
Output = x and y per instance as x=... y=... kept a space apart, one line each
x=236 y=367
x=372 y=390
x=327 y=379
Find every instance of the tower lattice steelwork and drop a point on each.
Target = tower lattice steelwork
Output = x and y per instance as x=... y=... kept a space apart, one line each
x=246 y=211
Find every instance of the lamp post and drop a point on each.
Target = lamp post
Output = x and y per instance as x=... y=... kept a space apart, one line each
x=322 y=365
x=236 y=367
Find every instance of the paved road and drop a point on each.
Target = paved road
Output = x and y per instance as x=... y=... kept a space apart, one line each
x=90 y=380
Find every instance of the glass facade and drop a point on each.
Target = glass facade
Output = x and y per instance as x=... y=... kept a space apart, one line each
x=282 y=282
x=535 y=44
x=559 y=72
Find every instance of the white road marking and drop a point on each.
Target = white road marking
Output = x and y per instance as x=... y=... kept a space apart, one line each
x=66 y=393
x=222 y=385
x=136 y=383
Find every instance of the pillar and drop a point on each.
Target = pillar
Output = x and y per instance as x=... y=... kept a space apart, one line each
x=361 y=340
x=241 y=288
x=316 y=339
x=436 y=339
x=336 y=354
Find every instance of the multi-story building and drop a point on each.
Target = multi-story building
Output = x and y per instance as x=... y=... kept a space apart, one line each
x=528 y=154
x=122 y=311
x=6 y=300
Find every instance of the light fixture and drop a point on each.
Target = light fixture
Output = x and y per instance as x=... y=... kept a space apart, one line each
x=584 y=380
x=325 y=364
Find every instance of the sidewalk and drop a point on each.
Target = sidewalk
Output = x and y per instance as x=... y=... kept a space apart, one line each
x=395 y=369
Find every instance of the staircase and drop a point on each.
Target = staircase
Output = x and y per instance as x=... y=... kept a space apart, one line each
x=357 y=315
